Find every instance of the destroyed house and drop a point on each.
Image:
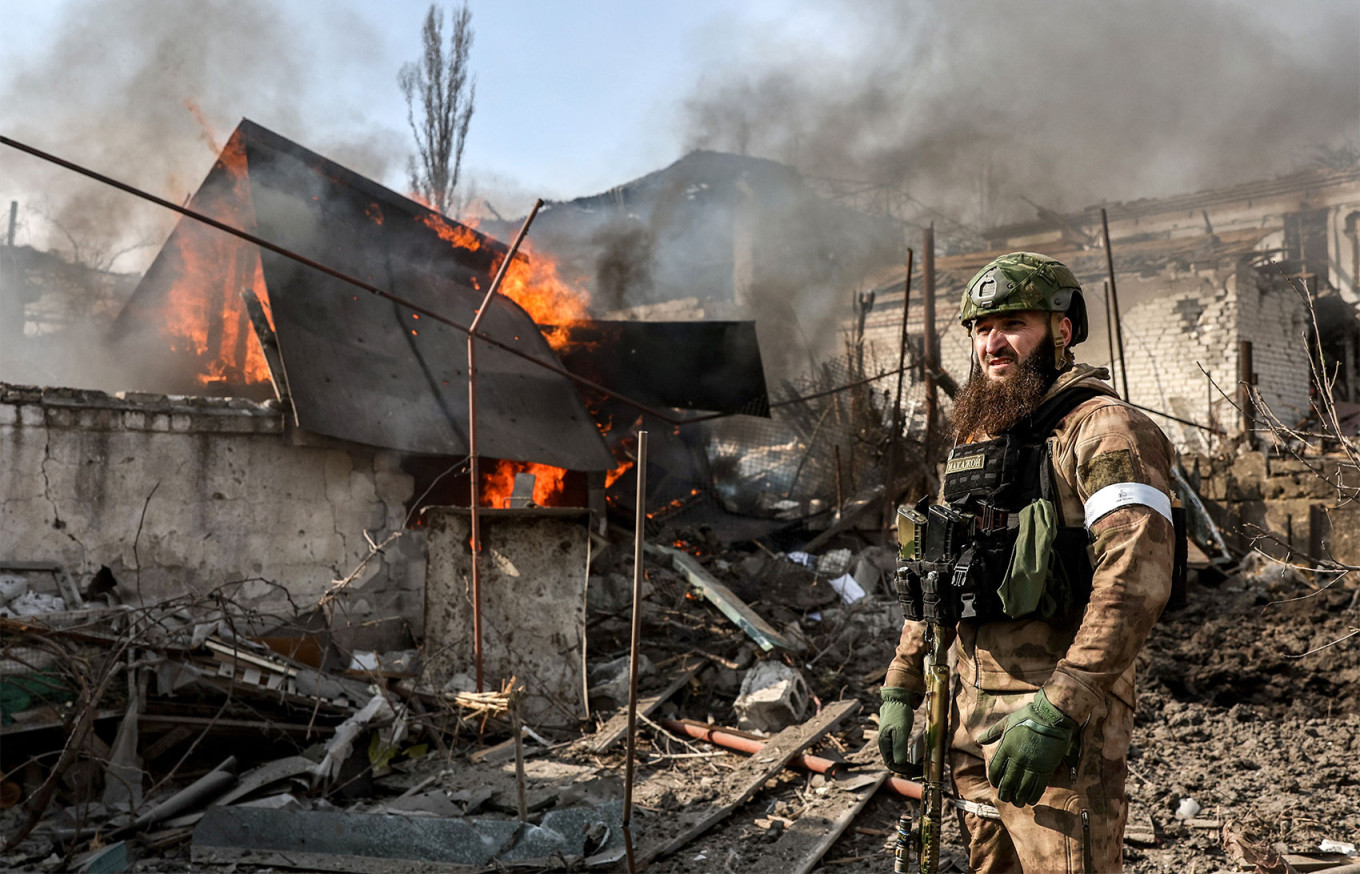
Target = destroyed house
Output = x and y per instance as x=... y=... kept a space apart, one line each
x=1214 y=288
x=302 y=418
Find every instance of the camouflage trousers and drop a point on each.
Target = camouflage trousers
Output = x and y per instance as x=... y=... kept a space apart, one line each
x=1078 y=824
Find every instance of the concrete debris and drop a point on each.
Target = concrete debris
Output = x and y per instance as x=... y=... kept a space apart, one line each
x=362 y=751
x=31 y=603
x=1187 y=809
x=834 y=563
x=773 y=696
x=609 y=681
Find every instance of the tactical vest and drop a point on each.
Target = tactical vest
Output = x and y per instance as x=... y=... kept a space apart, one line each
x=956 y=554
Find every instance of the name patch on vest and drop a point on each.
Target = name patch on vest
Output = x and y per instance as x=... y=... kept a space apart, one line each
x=968 y=462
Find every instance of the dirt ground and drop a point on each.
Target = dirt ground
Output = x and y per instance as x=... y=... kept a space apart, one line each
x=1232 y=714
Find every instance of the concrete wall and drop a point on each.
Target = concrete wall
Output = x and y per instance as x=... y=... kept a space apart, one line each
x=229 y=496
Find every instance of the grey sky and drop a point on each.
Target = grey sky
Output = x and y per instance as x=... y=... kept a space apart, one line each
x=967 y=104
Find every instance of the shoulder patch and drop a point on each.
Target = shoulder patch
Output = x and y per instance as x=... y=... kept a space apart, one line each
x=1105 y=469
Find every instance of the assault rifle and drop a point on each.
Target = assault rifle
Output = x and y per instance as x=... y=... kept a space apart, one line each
x=932 y=557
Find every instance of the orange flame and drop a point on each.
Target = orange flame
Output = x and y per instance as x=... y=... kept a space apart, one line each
x=498 y=483
x=458 y=236
x=204 y=315
x=532 y=280
x=674 y=505
x=206 y=132
x=534 y=283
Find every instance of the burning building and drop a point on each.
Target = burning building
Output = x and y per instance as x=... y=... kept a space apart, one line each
x=299 y=414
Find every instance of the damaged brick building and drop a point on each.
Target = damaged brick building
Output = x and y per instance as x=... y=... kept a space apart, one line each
x=1214 y=290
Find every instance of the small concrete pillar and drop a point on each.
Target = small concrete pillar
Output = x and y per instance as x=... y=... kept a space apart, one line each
x=533 y=569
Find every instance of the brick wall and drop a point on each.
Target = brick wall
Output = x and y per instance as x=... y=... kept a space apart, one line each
x=1181 y=326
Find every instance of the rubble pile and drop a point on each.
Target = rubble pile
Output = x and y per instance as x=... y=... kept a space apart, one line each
x=148 y=737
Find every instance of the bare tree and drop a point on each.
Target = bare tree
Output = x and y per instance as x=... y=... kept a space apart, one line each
x=440 y=85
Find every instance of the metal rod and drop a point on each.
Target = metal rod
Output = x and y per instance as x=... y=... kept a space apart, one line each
x=639 y=532
x=1114 y=300
x=13 y=221
x=475 y=487
x=1214 y=429
x=1109 y=327
x=891 y=492
x=343 y=277
x=929 y=341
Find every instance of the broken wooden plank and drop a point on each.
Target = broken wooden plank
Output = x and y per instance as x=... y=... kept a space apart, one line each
x=725 y=600
x=801 y=847
x=617 y=726
x=663 y=835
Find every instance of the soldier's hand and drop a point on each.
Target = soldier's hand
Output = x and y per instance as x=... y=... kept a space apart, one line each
x=1034 y=741
x=895 y=716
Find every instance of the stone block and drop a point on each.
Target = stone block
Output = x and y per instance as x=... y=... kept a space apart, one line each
x=773 y=697
x=337 y=469
x=394 y=488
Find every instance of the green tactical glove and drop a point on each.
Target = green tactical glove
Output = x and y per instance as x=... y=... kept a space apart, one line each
x=895 y=716
x=1034 y=741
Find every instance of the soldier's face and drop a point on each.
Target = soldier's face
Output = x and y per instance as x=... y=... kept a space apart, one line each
x=1003 y=341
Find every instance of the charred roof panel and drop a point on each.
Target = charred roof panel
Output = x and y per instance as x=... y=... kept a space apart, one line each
x=362 y=368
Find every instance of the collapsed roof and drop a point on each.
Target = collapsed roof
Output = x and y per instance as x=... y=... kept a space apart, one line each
x=359 y=367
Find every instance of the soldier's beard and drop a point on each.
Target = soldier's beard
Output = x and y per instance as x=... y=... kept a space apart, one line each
x=987 y=406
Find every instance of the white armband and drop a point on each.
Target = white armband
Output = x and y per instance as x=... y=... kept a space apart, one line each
x=1111 y=498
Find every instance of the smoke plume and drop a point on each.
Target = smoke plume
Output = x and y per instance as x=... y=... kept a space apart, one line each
x=148 y=92
x=973 y=106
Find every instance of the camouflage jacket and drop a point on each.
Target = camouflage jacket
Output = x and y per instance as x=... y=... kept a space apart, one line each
x=1078 y=661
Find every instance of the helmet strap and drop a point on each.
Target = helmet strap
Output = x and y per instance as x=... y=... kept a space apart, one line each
x=1062 y=356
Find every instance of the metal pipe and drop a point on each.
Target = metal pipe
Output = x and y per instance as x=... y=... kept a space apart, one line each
x=734 y=741
x=1114 y=300
x=639 y=533
x=929 y=342
x=1109 y=327
x=891 y=492
x=475 y=488
x=343 y=277
x=1246 y=378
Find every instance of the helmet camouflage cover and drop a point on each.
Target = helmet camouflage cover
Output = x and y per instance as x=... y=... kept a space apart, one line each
x=1025 y=281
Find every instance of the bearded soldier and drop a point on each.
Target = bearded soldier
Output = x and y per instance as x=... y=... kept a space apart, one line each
x=1061 y=545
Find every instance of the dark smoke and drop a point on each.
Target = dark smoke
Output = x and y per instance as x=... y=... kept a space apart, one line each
x=971 y=106
x=147 y=91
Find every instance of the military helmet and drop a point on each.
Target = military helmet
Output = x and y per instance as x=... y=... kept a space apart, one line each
x=1025 y=281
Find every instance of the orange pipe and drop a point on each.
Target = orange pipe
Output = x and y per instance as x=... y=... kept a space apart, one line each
x=734 y=741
